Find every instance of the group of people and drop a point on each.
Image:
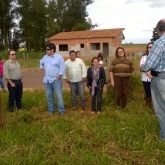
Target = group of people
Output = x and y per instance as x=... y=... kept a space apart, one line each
x=75 y=74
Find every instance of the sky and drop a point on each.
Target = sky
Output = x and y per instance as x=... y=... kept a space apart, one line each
x=138 y=17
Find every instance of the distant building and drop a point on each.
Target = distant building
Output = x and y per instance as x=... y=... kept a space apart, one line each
x=89 y=43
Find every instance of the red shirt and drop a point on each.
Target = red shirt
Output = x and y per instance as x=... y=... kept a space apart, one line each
x=1 y=68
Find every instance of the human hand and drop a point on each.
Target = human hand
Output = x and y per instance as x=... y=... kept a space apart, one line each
x=84 y=79
x=112 y=83
x=67 y=81
x=12 y=84
x=58 y=77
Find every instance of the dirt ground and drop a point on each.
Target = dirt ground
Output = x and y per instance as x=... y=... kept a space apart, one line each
x=34 y=80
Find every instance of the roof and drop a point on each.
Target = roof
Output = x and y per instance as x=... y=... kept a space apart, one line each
x=106 y=33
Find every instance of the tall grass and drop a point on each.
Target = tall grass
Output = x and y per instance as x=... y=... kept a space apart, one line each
x=114 y=137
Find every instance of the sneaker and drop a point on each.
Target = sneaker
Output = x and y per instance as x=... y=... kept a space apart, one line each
x=98 y=112
x=93 y=112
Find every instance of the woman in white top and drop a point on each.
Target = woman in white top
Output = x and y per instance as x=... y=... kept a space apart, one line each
x=146 y=76
x=100 y=58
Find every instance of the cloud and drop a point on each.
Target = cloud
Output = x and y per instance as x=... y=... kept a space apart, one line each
x=151 y=3
x=146 y=30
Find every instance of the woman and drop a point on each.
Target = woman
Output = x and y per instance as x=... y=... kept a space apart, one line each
x=1 y=75
x=100 y=58
x=146 y=76
x=95 y=82
x=120 y=71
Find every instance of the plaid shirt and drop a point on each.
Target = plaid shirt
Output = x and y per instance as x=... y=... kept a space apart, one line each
x=156 y=58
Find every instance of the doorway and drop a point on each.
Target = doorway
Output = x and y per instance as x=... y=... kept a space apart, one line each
x=105 y=50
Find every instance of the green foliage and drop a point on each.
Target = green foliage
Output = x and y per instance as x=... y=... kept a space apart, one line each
x=39 y=20
x=155 y=35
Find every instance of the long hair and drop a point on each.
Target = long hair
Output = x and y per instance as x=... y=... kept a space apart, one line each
x=100 y=55
x=116 y=53
x=147 y=52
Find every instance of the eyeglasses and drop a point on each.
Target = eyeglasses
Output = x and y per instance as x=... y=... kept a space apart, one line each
x=13 y=54
x=120 y=52
x=150 y=47
x=47 y=49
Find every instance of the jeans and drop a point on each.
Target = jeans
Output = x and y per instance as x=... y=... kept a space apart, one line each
x=51 y=88
x=80 y=88
x=15 y=94
x=121 y=86
x=158 y=98
x=97 y=96
x=147 y=88
x=1 y=82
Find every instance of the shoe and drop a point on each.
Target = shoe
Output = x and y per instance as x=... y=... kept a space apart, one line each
x=98 y=112
x=73 y=108
x=93 y=112
x=84 y=109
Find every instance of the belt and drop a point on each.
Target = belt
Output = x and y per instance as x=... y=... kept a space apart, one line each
x=161 y=72
x=155 y=73
x=15 y=80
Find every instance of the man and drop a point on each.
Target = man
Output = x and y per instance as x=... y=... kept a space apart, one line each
x=156 y=64
x=13 y=75
x=76 y=77
x=52 y=66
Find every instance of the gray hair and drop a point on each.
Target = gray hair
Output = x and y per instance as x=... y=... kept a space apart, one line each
x=161 y=25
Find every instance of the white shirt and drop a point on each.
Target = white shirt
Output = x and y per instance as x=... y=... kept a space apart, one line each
x=76 y=70
x=144 y=76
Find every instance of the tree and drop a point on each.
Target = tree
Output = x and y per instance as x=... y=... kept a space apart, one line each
x=72 y=15
x=6 y=22
x=155 y=35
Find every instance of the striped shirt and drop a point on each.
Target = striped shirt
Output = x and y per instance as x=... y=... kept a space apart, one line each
x=156 y=58
x=121 y=67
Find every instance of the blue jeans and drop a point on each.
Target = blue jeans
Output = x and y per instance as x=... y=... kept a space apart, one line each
x=158 y=98
x=51 y=88
x=1 y=82
x=78 y=88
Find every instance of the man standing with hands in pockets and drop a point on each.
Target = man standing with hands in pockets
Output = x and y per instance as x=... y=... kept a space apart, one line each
x=13 y=75
x=53 y=67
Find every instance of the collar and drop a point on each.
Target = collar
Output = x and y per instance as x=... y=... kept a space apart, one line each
x=11 y=61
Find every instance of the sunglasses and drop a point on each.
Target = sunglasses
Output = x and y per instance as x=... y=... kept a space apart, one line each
x=150 y=47
x=13 y=54
x=47 y=49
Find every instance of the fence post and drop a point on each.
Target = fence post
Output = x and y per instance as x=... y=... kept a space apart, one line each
x=2 y=118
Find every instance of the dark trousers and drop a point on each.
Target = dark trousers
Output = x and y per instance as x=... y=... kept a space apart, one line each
x=97 y=96
x=15 y=94
x=121 y=86
x=147 y=88
x=78 y=88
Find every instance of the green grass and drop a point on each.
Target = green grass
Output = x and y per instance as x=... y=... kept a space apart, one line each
x=133 y=45
x=114 y=137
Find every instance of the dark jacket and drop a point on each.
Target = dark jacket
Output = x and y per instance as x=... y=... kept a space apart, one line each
x=102 y=77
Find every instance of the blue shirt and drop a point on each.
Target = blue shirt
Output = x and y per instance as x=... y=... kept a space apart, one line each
x=156 y=58
x=53 y=67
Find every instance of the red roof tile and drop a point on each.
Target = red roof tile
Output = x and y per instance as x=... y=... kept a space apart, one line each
x=105 y=33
